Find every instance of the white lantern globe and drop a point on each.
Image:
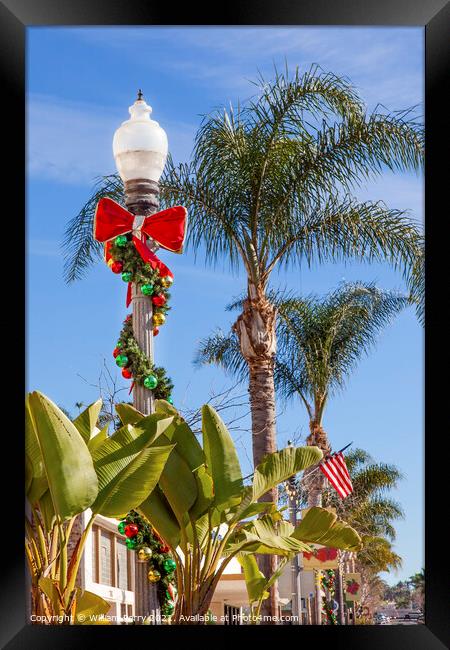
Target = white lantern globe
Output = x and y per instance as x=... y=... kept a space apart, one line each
x=140 y=145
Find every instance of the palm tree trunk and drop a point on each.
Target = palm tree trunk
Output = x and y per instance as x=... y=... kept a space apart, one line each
x=255 y=328
x=315 y=484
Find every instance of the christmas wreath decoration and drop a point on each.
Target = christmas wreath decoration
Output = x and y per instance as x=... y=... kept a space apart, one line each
x=151 y=548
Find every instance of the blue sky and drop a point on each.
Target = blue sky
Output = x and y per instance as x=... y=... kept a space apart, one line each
x=80 y=82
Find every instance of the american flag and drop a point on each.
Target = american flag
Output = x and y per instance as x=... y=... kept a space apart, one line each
x=336 y=472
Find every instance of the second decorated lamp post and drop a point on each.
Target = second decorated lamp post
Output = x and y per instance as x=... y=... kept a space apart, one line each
x=140 y=151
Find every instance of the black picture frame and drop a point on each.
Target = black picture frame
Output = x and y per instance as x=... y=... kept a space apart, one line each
x=434 y=16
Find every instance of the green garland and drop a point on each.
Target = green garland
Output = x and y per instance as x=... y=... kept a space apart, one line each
x=328 y=581
x=125 y=259
x=139 y=365
x=147 y=538
x=134 y=269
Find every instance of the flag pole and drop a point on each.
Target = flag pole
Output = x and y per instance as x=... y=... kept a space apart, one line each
x=343 y=448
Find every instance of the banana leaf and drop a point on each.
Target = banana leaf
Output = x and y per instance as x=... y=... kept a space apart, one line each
x=98 y=438
x=35 y=477
x=90 y=607
x=255 y=580
x=280 y=466
x=127 y=469
x=158 y=512
x=69 y=469
x=222 y=461
x=322 y=527
x=128 y=414
x=86 y=422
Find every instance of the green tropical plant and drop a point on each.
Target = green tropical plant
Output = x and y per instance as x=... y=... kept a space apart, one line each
x=270 y=184
x=257 y=584
x=205 y=513
x=72 y=467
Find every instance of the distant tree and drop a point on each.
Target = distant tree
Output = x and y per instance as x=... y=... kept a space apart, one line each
x=320 y=342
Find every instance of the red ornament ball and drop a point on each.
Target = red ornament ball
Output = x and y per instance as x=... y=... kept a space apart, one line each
x=131 y=530
x=117 y=267
x=116 y=351
x=159 y=300
x=126 y=373
x=156 y=331
x=129 y=317
x=164 y=549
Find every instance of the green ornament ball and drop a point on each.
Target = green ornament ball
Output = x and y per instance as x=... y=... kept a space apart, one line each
x=121 y=527
x=147 y=289
x=122 y=360
x=150 y=381
x=121 y=241
x=170 y=400
x=119 y=344
x=131 y=543
x=169 y=565
x=127 y=276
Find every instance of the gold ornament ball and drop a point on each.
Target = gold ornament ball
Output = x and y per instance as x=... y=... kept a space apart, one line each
x=158 y=319
x=153 y=575
x=144 y=553
x=166 y=281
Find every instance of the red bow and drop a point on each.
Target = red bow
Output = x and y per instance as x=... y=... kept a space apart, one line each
x=166 y=228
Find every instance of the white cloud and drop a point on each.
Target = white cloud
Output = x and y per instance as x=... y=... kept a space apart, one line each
x=385 y=63
x=71 y=142
x=68 y=142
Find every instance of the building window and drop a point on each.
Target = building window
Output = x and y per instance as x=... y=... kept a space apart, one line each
x=106 y=574
x=111 y=560
x=122 y=565
x=232 y=615
x=94 y=554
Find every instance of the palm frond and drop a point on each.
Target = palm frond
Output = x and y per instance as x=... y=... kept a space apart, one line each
x=79 y=246
x=320 y=341
x=377 y=478
x=258 y=185
x=224 y=351
x=341 y=230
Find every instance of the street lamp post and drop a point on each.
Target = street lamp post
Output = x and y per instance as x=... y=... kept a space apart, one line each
x=295 y=565
x=140 y=151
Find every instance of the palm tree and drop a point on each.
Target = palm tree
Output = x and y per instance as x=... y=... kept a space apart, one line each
x=269 y=184
x=373 y=514
x=417 y=584
x=320 y=342
x=368 y=508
